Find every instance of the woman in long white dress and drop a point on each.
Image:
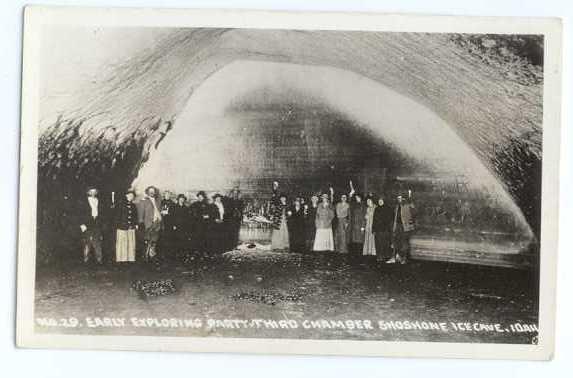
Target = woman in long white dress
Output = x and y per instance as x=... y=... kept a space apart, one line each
x=369 y=248
x=324 y=240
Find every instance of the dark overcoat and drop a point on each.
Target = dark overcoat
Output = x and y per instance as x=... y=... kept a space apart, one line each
x=357 y=222
x=383 y=218
x=296 y=222
x=126 y=216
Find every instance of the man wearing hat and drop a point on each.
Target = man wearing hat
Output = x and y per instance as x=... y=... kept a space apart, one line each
x=91 y=225
x=149 y=217
x=403 y=226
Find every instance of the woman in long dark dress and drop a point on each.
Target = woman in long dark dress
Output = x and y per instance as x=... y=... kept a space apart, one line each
x=382 y=230
x=296 y=227
x=201 y=213
x=181 y=224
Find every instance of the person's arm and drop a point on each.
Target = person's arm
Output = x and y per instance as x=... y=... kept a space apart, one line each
x=331 y=215
x=116 y=216
x=136 y=216
x=140 y=206
x=352 y=191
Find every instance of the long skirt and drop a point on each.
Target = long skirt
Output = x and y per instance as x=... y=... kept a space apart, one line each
x=324 y=240
x=279 y=239
x=383 y=245
x=341 y=239
x=125 y=245
x=297 y=236
x=369 y=248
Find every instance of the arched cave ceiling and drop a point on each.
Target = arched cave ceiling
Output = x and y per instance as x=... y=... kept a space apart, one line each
x=486 y=92
x=488 y=101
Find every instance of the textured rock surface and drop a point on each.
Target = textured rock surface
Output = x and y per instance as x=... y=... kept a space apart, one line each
x=488 y=88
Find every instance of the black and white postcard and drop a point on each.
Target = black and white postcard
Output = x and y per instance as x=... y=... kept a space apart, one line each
x=282 y=182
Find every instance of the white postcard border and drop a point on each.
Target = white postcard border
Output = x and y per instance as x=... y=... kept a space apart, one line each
x=37 y=16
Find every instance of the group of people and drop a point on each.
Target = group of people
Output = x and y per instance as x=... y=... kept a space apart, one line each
x=206 y=225
x=347 y=224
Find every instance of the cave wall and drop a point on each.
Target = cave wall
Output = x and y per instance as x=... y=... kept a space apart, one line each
x=489 y=88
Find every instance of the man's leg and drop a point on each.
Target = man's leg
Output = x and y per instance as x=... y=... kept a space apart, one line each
x=402 y=249
x=147 y=250
x=152 y=249
x=151 y=237
x=406 y=246
x=86 y=250
x=97 y=246
x=396 y=245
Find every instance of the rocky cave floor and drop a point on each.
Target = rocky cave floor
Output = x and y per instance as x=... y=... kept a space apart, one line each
x=246 y=285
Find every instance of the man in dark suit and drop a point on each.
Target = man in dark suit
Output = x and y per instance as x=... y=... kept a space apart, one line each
x=91 y=225
x=310 y=221
x=403 y=226
x=150 y=220
x=167 y=237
